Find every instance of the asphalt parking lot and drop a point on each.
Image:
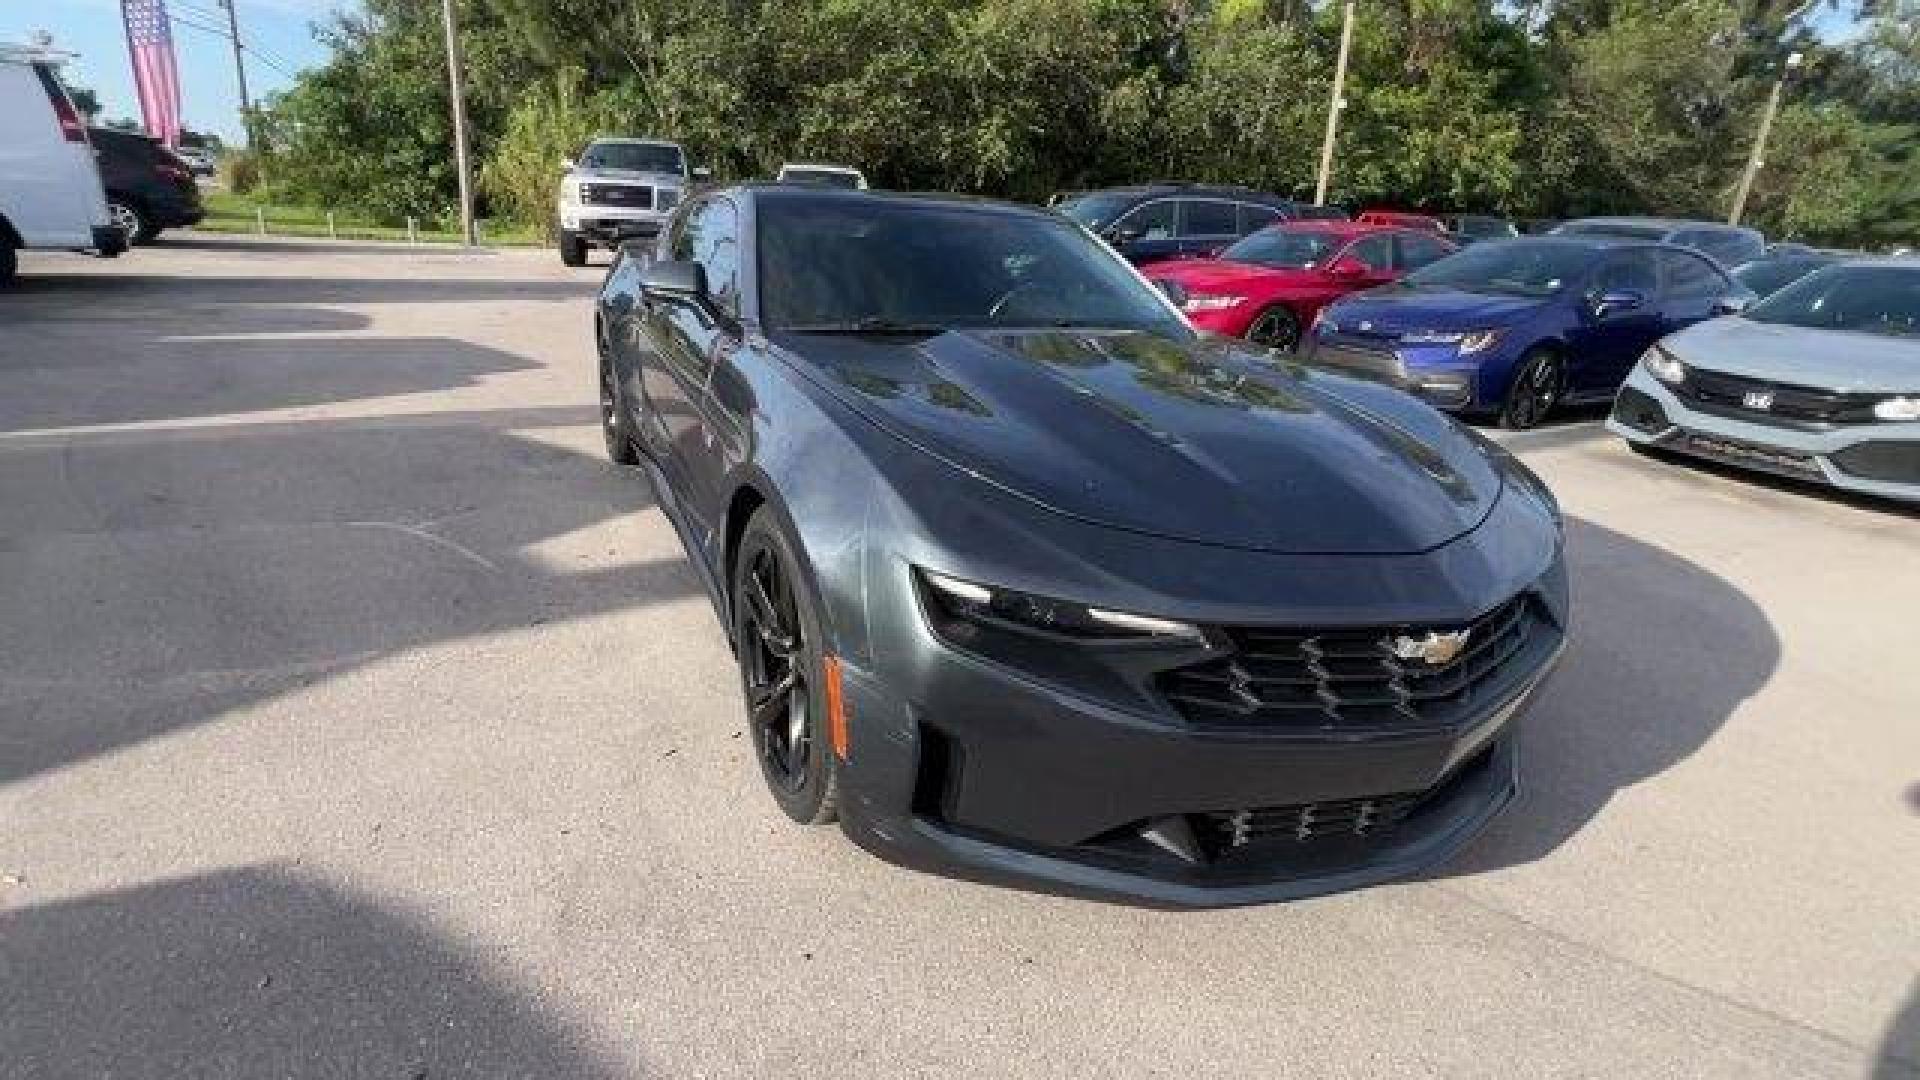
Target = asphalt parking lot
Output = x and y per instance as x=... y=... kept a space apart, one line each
x=358 y=719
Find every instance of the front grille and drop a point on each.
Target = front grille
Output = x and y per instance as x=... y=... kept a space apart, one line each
x=1309 y=821
x=1787 y=405
x=636 y=196
x=1356 y=677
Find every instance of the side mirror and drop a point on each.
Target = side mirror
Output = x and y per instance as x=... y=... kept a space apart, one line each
x=1618 y=302
x=671 y=279
x=1349 y=268
x=1732 y=304
x=1174 y=291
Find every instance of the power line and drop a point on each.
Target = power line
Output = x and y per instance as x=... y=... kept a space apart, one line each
x=263 y=57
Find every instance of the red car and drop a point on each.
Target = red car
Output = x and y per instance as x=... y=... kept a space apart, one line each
x=1270 y=284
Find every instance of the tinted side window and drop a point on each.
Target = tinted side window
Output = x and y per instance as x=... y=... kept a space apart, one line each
x=1256 y=217
x=1206 y=217
x=1375 y=251
x=1690 y=277
x=1417 y=251
x=1153 y=221
x=1629 y=270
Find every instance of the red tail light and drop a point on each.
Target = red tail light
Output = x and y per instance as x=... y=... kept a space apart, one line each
x=71 y=127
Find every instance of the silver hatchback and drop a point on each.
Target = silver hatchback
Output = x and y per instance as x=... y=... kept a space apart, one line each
x=1820 y=381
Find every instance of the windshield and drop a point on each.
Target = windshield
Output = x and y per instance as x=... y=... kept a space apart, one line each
x=1095 y=211
x=1765 y=276
x=1509 y=267
x=877 y=265
x=1862 y=299
x=634 y=157
x=838 y=178
x=1282 y=248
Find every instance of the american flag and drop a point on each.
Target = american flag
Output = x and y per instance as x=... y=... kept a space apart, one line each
x=155 y=76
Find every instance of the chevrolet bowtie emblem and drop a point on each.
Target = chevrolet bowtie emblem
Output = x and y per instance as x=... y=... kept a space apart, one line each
x=1758 y=399
x=1436 y=649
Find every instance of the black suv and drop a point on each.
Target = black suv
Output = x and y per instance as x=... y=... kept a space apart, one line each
x=148 y=188
x=1164 y=221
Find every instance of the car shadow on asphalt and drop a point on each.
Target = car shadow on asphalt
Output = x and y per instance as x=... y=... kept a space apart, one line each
x=1661 y=653
x=234 y=347
x=260 y=971
x=1899 y=1054
x=171 y=577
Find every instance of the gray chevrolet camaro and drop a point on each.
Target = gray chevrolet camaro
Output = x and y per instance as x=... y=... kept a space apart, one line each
x=1820 y=382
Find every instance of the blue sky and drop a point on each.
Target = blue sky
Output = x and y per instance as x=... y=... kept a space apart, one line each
x=209 y=99
x=282 y=31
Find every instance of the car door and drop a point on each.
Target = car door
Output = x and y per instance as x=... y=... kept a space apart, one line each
x=1375 y=254
x=713 y=334
x=1207 y=225
x=1692 y=288
x=674 y=335
x=1608 y=343
x=1148 y=232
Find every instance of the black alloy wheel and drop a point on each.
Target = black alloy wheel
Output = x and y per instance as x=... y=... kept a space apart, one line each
x=778 y=638
x=1275 y=328
x=1534 y=391
x=616 y=426
x=129 y=220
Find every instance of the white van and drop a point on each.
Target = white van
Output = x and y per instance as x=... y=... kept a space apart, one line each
x=50 y=193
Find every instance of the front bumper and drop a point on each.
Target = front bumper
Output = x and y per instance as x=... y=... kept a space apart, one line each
x=1881 y=460
x=973 y=768
x=609 y=225
x=1433 y=373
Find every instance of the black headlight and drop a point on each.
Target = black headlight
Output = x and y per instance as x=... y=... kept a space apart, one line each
x=955 y=602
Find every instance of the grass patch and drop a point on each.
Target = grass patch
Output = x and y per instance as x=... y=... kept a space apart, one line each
x=230 y=213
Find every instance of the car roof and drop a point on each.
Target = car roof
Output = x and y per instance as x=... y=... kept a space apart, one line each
x=787 y=194
x=821 y=165
x=625 y=141
x=1343 y=227
x=1223 y=191
x=1658 y=223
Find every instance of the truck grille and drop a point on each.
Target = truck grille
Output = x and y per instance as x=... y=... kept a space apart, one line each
x=636 y=196
x=1359 y=677
x=1738 y=397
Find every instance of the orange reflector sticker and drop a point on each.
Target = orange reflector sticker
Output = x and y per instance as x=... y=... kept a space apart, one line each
x=836 y=707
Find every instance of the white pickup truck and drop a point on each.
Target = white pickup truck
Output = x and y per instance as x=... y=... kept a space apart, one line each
x=50 y=193
x=618 y=189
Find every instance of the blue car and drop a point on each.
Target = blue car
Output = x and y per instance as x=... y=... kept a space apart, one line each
x=1512 y=328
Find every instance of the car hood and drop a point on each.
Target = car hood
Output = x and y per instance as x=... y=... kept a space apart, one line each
x=1828 y=359
x=1396 y=308
x=1189 y=440
x=632 y=176
x=1221 y=277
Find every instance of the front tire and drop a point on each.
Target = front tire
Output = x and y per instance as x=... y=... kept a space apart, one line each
x=1534 y=390
x=616 y=424
x=9 y=264
x=131 y=221
x=573 y=249
x=1275 y=328
x=781 y=648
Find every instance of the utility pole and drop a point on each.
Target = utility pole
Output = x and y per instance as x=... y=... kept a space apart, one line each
x=240 y=73
x=1757 y=158
x=1334 y=104
x=456 y=89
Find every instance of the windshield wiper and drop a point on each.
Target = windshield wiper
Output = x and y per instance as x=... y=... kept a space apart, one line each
x=871 y=324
